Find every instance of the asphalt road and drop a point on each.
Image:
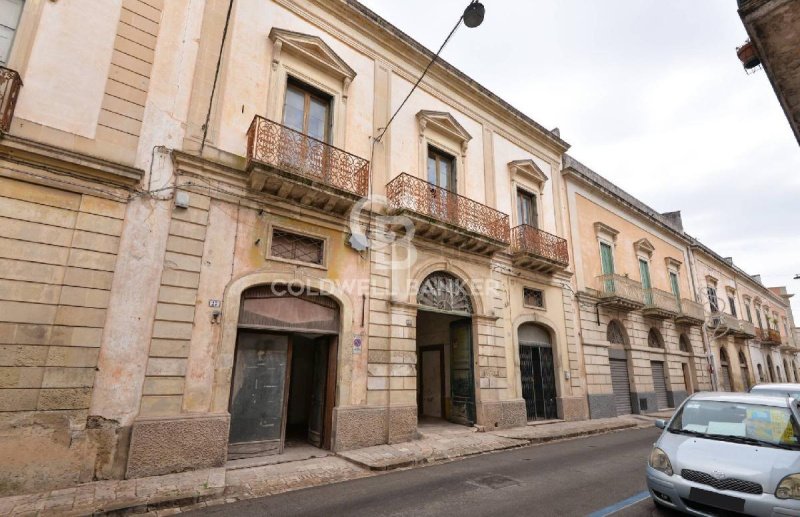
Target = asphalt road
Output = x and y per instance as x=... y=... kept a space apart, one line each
x=577 y=477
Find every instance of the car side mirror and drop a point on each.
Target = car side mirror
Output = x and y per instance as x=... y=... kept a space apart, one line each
x=661 y=424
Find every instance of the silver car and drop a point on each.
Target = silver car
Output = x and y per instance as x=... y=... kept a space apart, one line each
x=724 y=453
x=782 y=389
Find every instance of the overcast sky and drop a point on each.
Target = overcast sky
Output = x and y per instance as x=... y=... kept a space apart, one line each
x=651 y=95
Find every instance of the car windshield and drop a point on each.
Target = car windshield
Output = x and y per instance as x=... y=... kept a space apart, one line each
x=738 y=422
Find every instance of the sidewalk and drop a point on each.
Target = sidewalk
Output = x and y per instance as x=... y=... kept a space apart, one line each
x=173 y=493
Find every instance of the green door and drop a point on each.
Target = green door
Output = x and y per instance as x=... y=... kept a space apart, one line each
x=607 y=263
x=644 y=269
x=676 y=290
x=462 y=385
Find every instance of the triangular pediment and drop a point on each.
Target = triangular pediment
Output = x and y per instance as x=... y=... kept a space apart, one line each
x=443 y=122
x=312 y=49
x=528 y=170
x=644 y=246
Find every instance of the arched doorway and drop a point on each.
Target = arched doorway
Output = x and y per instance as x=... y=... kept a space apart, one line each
x=724 y=371
x=771 y=370
x=658 y=369
x=745 y=371
x=537 y=372
x=618 y=363
x=445 y=372
x=760 y=372
x=685 y=345
x=284 y=373
x=787 y=371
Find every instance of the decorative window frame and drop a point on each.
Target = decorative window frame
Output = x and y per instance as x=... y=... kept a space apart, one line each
x=271 y=227
x=536 y=307
x=673 y=264
x=606 y=235
x=441 y=130
x=310 y=60
x=527 y=176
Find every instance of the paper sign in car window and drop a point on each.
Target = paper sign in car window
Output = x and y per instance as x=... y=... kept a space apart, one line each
x=727 y=428
x=769 y=425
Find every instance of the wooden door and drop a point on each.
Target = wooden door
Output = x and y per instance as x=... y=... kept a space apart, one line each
x=431 y=390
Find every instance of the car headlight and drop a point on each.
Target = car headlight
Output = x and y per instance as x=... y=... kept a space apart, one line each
x=660 y=461
x=789 y=487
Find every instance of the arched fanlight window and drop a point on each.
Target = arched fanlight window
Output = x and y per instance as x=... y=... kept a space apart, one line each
x=654 y=339
x=615 y=334
x=443 y=291
x=683 y=343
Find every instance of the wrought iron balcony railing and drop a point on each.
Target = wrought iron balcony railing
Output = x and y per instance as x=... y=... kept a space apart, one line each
x=620 y=292
x=660 y=304
x=10 y=84
x=774 y=336
x=691 y=312
x=527 y=239
x=407 y=192
x=275 y=145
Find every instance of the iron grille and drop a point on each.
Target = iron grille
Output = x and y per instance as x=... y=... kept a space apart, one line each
x=10 y=84
x=533 y=297
x=298 y=247
x=732 y=484
x=527 y=239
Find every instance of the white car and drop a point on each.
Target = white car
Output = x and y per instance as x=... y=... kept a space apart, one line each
x=725 y=453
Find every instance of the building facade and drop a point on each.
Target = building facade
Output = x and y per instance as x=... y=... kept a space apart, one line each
x=214 y=243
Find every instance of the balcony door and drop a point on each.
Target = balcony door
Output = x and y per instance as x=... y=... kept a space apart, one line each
x=308 y=112
x=442 y=174
x=676 y=289
x=527 y=212
x=607 y=263
x=644 y=270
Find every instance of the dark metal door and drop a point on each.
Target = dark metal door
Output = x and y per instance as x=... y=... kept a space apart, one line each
x=659 y=384
x=316 y=417
x=538 y=382
x=258 y=394
x=462 y=386
x=621 y=386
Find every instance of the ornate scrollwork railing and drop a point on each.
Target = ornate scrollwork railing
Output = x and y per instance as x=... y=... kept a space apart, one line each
x=276 y=145
x=10 y=84
x=406 y=192
x=527 y=239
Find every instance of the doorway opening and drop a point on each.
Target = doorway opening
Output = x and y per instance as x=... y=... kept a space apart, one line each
x=537 y=372
x=445 y=375
x=284 y=377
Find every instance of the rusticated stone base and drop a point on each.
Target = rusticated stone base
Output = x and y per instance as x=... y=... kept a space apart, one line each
x=572 y=408
x=644 y=402
x=602 y=405
x=675 y=398
x=502 y=414
x=177 y=444
x=362 y=426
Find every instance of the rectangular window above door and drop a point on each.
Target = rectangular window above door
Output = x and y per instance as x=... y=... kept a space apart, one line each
x=441 y=169
x=307 y=111
x=527 y=211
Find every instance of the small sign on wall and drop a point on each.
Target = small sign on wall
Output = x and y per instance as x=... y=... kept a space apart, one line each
x=214 y=304
x=357 y=344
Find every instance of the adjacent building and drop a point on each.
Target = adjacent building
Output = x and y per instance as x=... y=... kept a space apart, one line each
x=214 y=244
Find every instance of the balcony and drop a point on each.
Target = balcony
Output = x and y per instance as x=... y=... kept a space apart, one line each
x=659 y=304
x=445 y=217
x=298 y=168
x=721 y=323
x=690 y=313
x=620 y=292
x=768 y=336
x=10 y=84
x=745 y=330
x=537 y=250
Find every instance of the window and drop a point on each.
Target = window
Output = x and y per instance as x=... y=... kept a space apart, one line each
x=307 y=111
x=748 y=313
x=293 y=246
x=712 y=298
x=615 y=334
x=441 y=169
x=526 y=208
x=758 y=317
x=607 y=258
x=683 y=343
x=644 y=270
x=673 y=282
x=732 y=303
x=533 y=298
x=654 y=339
x=10 y=12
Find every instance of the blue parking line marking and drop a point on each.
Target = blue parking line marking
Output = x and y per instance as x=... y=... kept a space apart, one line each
x=614 y=508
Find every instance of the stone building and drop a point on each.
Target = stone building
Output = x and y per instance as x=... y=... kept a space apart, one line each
x=775 y=40
x=639 y=324
x=212 y=245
